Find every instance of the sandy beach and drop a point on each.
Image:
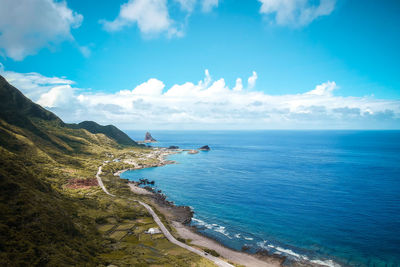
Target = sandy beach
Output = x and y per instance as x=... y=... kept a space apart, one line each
x=227 y=253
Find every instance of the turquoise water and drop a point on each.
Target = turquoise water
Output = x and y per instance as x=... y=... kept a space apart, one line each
x=315 y=195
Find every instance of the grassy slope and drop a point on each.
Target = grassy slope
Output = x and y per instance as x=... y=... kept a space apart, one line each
x=43 y=221
x=109 y=130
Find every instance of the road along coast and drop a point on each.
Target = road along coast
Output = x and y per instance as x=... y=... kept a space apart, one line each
x=180 y=216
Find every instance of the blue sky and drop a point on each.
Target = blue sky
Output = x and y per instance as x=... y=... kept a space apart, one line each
x=293 y=46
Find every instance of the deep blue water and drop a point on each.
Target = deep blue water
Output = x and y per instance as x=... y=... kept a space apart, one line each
x=324 y=195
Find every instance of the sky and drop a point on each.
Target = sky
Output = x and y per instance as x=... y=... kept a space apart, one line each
x=207 y=64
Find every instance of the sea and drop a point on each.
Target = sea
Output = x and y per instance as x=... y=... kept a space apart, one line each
x=328 y=197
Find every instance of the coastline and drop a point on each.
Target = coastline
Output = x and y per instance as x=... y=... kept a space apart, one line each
x=174 y=216
x=179 y=216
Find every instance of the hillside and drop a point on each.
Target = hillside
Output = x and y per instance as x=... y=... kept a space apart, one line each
x=109 y=130
x=52 y=212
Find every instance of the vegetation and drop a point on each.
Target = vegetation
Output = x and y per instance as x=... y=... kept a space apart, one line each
x=212 y=252
x=45 y=221
x=109 y=130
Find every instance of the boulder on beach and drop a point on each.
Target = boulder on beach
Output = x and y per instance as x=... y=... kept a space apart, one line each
x=149 y=138
x=205 y=148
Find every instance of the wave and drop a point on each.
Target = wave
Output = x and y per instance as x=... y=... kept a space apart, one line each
x=329 y=263
x=268 y=246
x=296 y=256
x=215 y=227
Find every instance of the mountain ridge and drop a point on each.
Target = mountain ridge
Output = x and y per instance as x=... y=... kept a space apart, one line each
x=109 y=130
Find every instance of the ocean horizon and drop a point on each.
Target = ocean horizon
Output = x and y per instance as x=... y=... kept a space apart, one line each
x=330 y=197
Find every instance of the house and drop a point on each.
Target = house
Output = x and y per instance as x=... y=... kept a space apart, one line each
x=153 y=231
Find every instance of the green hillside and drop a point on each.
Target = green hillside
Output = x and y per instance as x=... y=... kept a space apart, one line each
x=109 y=130
x=52 y=213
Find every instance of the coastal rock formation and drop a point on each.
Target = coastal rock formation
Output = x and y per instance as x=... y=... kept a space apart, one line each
x=148 y=138
x=205 y=148
x=173 y=147
x=182 y=214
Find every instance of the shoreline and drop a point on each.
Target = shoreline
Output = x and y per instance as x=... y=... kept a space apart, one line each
x=180 y=216
x=172 y=212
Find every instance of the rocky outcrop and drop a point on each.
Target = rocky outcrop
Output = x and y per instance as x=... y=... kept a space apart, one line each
x=173 y=147
x=148 y=138
x=205 y=148
x=182 y=214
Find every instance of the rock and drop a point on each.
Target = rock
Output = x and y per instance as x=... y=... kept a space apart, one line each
x=245 y=248
x=150 y=189
x=149 y=138
x=173 y=147
x=182 y=214
x=205 y=148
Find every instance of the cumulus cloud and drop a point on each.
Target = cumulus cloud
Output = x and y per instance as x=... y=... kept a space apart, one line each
x=33 y=84
x=57 y=96
x=208 y=104
x=296 y=13
x=27 y=26
x=238 y=85
x=151 y=16
x=323 y=89
x=252 y=80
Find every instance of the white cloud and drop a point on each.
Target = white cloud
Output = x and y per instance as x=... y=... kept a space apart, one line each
x=187 y=5
x=208 y=104
x=58 y=96
x=238 y=85
x=33 y=84
x=296 y=12
x=26 y=26
x=251 y=82
x=323 y=89
x=208 y=5
x=152 y=87
x=151 y=16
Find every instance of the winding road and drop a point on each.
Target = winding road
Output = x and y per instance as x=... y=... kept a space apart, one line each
x=165 y=231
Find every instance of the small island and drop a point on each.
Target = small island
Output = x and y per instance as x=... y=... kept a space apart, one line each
x=205 y=148
x=148 y=138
